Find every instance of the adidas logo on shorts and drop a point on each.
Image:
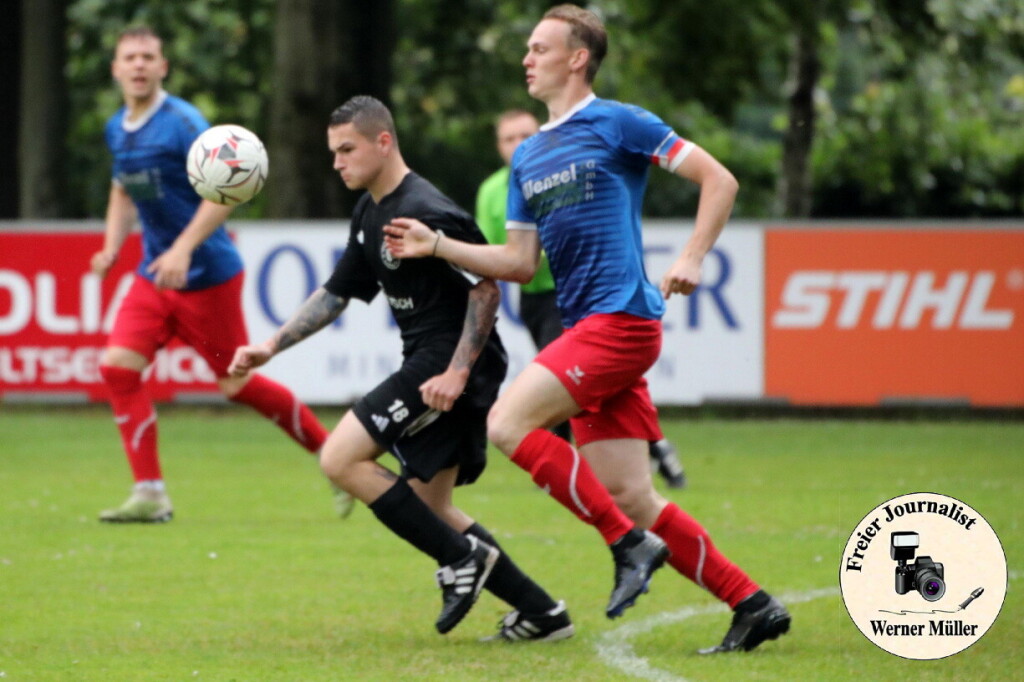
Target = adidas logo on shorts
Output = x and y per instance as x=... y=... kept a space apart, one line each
x=380 y=422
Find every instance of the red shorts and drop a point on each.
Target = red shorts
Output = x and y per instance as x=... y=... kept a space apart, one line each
x=601 y=362
x=210 y=320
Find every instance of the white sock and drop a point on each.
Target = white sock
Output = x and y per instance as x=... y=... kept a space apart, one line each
x=155 y=485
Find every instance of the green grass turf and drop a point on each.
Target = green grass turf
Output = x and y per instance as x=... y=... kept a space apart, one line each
x=256 y=580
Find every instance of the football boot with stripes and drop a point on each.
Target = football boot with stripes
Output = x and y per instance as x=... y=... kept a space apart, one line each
x=638 y=554
x=462 y=581
x=543 y=627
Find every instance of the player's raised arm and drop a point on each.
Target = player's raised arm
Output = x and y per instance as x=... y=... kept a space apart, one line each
x=318 y=311
x=170 y=269
x=718 y=190
x=441 y=392
x=515 y=261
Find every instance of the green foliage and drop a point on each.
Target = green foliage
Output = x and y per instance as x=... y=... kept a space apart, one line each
x=218 y=60
x=929 y=126
x=919 y=103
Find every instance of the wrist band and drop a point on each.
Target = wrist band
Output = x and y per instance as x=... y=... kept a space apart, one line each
x=436 y=242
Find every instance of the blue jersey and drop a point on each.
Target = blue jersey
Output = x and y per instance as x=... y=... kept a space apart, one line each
x=149 y=162
x=580 y=182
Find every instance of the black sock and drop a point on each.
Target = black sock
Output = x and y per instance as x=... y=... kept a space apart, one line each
x=754 y=602
x=508 y=582
x=408 y=517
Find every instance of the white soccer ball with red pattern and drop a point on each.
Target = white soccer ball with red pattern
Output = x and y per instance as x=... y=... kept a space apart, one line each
x=227 y=164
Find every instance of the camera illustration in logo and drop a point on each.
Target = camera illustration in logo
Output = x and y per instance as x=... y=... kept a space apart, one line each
x=924 y=575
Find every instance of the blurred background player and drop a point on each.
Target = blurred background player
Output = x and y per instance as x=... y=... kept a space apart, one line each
x=452 y=358
x=538 y=305
x=576 y=189
x=189 y=283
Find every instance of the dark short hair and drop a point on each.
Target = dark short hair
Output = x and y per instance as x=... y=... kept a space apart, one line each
x=138 y=31
x=368 y=114
x=586 y=31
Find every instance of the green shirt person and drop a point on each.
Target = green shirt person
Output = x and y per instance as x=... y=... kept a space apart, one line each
x=538 y=307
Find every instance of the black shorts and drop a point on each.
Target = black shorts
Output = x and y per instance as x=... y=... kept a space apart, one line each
x=540 y=315
x=427 y=441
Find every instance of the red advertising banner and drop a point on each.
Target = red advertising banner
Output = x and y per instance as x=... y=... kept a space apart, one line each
x=55 y=316
x=867 y=317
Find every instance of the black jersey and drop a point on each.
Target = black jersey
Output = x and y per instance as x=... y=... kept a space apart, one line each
x=428 y=296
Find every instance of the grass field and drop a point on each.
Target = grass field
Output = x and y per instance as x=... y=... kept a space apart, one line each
x=255 y=579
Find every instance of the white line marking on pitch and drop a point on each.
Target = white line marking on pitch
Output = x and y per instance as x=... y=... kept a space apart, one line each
x=614 y=646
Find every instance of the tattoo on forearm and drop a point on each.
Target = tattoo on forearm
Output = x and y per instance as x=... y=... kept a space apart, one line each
x=480 y=314
x=318 y=311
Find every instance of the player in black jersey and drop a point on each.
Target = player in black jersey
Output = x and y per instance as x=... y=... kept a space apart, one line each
x=431 y=414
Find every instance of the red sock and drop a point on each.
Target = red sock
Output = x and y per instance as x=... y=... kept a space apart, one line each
x=279 y=405
x=695 y=556
x=135 y=418
x=559 y=469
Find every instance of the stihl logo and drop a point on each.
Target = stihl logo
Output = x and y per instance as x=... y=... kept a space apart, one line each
x=887 y=300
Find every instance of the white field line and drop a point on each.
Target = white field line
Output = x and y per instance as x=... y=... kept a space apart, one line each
x=614 y=647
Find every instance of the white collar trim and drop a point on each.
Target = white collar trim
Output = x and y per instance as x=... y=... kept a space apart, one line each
x=132 y=126
x=567 y=115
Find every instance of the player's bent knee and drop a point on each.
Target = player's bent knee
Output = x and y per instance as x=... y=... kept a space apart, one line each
x=124 y=358
x=642 y=506
x=503 y=433
x=334 y=465
x=232 y=386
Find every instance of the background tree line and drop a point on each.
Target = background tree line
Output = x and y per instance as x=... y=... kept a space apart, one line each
x=835 y=108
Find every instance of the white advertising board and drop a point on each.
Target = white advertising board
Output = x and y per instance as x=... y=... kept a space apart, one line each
x=713 y=346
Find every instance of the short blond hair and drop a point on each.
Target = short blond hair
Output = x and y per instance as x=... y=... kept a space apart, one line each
x=585 y=30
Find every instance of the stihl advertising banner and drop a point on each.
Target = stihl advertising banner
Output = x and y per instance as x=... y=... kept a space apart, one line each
x=866 y=317
x=816 y=315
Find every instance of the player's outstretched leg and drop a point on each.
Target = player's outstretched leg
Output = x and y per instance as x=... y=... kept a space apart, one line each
x=757 y=618
x=666 y=461
x=461 y=582
x=558 y=468
x=757 y=615
x=466 y=562
x=537 y=617
x=278 y=404
x=136 y=421
x=637 y=556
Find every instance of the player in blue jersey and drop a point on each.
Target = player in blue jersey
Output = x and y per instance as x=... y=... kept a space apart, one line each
x=538 y=307
x=189 y=282
x=576 y=189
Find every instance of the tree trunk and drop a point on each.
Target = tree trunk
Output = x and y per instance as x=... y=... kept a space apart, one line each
x=43 y=107
x=795 y=189
x=10 y=75
x=325 y=52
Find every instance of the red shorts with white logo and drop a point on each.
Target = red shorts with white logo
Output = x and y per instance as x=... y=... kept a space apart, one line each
x=210 y=320
x=601 y=362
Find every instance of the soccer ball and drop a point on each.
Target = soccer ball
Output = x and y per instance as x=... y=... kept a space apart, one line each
x=227 y=164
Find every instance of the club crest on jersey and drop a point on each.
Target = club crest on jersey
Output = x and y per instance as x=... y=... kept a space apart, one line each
x=389 y=261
